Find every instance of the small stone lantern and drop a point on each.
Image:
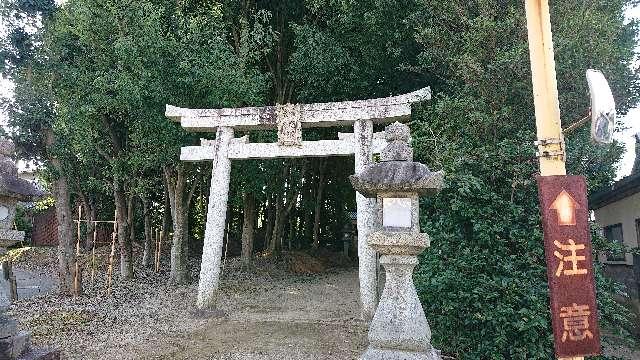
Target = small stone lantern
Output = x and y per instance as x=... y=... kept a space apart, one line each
x=347 y=237
x=399 y=329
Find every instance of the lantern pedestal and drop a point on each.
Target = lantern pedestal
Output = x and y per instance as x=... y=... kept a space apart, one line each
x=399 y=329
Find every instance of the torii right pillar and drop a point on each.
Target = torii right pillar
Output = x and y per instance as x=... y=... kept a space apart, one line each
x=366 y=208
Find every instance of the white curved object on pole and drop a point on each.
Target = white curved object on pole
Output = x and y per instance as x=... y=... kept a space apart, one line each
x=603 y=107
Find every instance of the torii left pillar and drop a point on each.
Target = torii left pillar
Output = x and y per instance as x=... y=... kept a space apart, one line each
x=216 y=219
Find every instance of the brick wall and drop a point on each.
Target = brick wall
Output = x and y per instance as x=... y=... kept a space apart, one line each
x=45 y=229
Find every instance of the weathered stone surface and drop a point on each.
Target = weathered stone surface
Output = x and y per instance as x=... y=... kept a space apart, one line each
x=7 y=217
x=397 y=132
x=12 y=189
x=10 y=237
x=20 y=343
x=289 y=117
x=397 y=172
x=396 y=151
x=399 y=322
x=6 y=348
x=216 y=218
x=8 y=167
x=318 y=148
x=343 y=113
x=20 y=189
x=14 y=346
x=5 y=294
x=366 y=222
x=385 y=354
x=399 y=329
x=41 y=354
x=240 y=148
x=398 y=243
x=397 y=176
x=8 y=327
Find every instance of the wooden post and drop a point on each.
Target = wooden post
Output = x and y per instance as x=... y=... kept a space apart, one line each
x=77 y=280
x=159 y=250
x=158 y=241
x=154 y=236
x=113 y=252
x=93 y=254
x=545 y=92
x=155 y=257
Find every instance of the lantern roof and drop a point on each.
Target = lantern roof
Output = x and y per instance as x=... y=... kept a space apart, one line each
x=10 y=184
x=397 y=172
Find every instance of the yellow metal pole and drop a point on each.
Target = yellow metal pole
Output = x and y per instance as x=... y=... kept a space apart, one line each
x=551 y=149
x=545 y=89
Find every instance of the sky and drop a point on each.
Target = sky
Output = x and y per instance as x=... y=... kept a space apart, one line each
x=631 y=121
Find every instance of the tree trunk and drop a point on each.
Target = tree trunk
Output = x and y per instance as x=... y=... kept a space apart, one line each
x=146 y=254
x=318 y=206
x=284 y=204
x=131 y=218
x=178 y=273
x=306 y=236
x=248 y=227
x=120 y=198
x=187 y=238
x=66 y=254
x=166 y=215
x=179 y=200
x=66 y=251
x=269 y=217
x=126 y=265
x=90 y=216
x=274 y=245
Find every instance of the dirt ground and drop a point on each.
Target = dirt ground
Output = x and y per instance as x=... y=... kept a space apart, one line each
x=269 y=314
x=295 y=318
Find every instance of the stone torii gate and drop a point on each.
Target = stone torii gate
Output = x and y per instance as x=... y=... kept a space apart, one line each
x=289 y=120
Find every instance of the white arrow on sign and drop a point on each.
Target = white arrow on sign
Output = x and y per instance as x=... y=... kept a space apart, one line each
x=566 y=207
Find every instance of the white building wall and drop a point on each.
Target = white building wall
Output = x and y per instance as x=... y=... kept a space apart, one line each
x=624 y=211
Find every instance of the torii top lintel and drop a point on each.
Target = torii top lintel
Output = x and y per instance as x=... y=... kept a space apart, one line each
x=381 y=110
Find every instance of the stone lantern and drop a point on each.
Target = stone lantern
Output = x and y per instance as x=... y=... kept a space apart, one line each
x=12 y=190
x=14 y=344
x=399 y=329
x=347 y=238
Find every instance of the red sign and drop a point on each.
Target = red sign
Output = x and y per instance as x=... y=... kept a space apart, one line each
x=567 y=247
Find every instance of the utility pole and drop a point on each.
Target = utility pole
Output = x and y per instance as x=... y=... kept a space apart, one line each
x=551 y=149
x=550 y=142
